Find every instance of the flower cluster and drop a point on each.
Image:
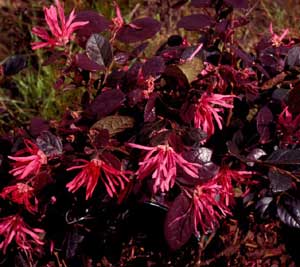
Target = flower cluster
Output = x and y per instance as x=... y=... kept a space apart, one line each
x=225 y=177
x=162 y=161
x=208 y=206
x=21 y=194
x=61 y=29
x=28 y=166
x=94 y=170
x=289 y=127
x=206 y=112
x=14 y=228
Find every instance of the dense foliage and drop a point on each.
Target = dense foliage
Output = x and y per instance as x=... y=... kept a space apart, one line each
x=162 y=149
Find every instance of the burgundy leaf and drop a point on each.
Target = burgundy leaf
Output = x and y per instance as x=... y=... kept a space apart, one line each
x=14 y=64
x=264 y=120
x=293 y=57
x=237 y=3
x=38 y=125
x=82 y=61
x=195 y=22
x=138 y=30
x=149 y=112
x=99 y=50
x=288 y=211
x=179 y=223
x=153 y=67
x=107 y=102
x=294 y=99
x=279 y=182
x=97 y=24
x=201 y=3
x=50 y=144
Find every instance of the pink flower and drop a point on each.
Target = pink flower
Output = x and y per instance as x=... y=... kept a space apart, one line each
x=277 y=39
x=61 y=30
x=14 y=228
x=206 y=113
x=28 y=165
x=289 y=127
x=225 y=177
x=209 y=207
x=94 y=170
x=161 y=161
x=22 y=194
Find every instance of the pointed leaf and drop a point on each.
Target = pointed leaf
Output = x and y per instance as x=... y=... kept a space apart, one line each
x=50 y=144
x=99 y=50
x=114 y=124
x=279 y=182
x=14 y=64
x=288 y=210
x=285 y=156
x=201 y=3
x=237 y=3
x=97 y=24
x=138 y=30
x=263 y=121
x=107 y=102
x=179 y=224
x=82 y=61
x=195 y=22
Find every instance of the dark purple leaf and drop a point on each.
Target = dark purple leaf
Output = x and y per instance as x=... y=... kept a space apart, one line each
x=279 y=182
x=50 y=144
x=203 y=157
x=177 y=3
x=153 y=67
x=14 y=64
x=263 y=204
x=237 y=3
x=194 y=136
x=280 y=94
x=285 y=156
x=149 y=112
x=294 y=99
x=179 y=223
x=139 y=49
x=121 y=58
x=199 y=155
x=99 y=50
x=72 y=241
x=255 y=154
x=138 y=30
x=201 y=3
x=97 y=24
x=248 y=60
x=288 y=210
x=82 y=61
x=195 y=22
x=99 y=137
x=38 y=125
x=293 y=57
x=263 y=122
x=107 y=102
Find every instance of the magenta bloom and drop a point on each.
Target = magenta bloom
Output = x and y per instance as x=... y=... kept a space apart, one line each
x=225 y=177
x=209 y=207
x=94 y=170
x=22 y=194
x=28 y=165
x=206 y=113
x=161 y=161
x=60 y=28
x=289 y=127
x=14 y=228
